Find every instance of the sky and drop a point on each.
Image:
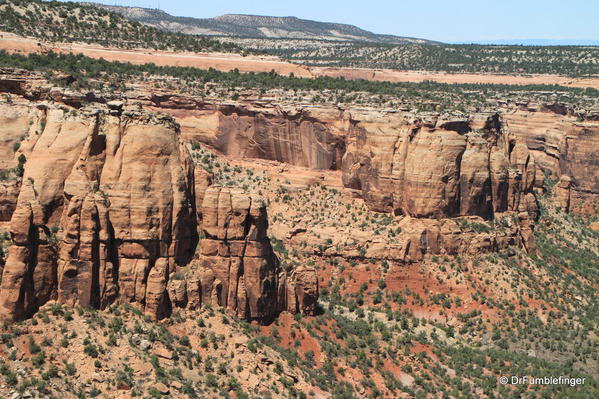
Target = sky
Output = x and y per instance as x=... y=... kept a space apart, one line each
x=442 y=20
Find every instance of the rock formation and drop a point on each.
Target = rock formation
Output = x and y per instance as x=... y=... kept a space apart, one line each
x=295 y=136
x=237 y=268
x=9 y=191
x=97 y=219
x=463 y=236
x=562 y=192
x=559 y=139
x=566 y=147
x=118 y=190
x=322 y=136
x=440 y=168
x=108 y=209
x=424 y=166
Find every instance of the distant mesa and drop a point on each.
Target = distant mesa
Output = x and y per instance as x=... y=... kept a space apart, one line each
x=255 y=26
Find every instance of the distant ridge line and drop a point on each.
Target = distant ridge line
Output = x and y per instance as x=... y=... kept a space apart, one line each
x=258 y=26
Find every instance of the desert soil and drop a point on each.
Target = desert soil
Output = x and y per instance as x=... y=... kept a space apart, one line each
x=227 y=62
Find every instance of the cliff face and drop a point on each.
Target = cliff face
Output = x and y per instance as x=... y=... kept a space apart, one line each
x=119 y=190
x=440 y=168
x=295 y=136
x=110 y=205
x=561 y=142
x=9 y=191
x=237 y=268
x=485 y=166
x=106 y=212
x=565 y=147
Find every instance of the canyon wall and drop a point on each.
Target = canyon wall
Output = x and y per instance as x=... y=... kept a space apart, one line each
x=435 y=168
x=562 y=142
x=106 y=213
x=237 y=268
x=312 y=138
x=551 y=139
x=110 y=206
x=565 y=147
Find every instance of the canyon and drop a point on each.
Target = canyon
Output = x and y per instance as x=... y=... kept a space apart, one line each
x=128 y=223
x=294 y=214
x=181 y=211
x=371 y=146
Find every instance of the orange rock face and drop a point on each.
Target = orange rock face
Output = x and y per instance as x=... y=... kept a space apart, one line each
x=296 y=136
x=118 y=190
x=567 y=148
x=108 y=210
x=237 y=268
x=439 y=168
x=392 y=174
x=237 y=264
x=9 y=191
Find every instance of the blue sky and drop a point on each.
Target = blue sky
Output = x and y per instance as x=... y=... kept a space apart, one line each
x=443 y=20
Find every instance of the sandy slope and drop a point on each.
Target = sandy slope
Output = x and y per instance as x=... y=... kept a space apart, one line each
x=418 y=76
x=226 y=62
x=220 y=61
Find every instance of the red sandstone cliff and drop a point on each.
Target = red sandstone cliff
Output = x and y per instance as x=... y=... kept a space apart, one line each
x=119 y=191
x=109 y=208
x=561 y=142
x=107 y=213
x=436 y=168
x=326 y=137
x=566 y=148
x=237 y=268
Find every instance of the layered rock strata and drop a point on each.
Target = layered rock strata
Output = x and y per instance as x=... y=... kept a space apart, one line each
x=559 y=138
x=567 y=148
x=237 y=268
x=559 y=141
x=104 y=214
x=108 y=210
x=302 y=137
x=419 y=238
x=441 y=168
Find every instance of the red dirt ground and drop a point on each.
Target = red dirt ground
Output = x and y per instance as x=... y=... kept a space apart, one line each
x=227 y=62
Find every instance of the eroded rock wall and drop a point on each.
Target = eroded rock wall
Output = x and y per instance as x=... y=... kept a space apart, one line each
x=435 y=168
x=561 y=140
x=298 y=136
x=237 y=268
x=320 y=137
x=108 y=211
x=104 y=214
x=567 y=148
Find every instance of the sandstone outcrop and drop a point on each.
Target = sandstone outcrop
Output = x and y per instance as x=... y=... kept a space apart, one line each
x=562 y=192
x=108 y=211
x=464 y=236
x=237 y=268
x=104 y=214
x=9 y=191
x=439 y=168
x=566 y=148
x=322 y=137
x=562 y=141
x=301 y=137
x=203 y=180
